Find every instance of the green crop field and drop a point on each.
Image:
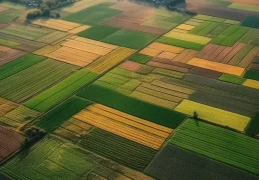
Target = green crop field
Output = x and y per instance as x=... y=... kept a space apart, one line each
x=98 y=32
x=132 y=106
x=19 y=64
x=92 y=15
x=219 y=144
x=251 y=21
x=30 y=81
x=252 y=74
x=129 y=38
x=62 y=90
x=232 y=79
x=180 y=43
x=140 y=58
x=63 y=112
x=253 y=126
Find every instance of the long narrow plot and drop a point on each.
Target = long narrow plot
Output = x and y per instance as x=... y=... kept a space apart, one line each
x=29 y=82
x=106 y=62
x=61 y=25
x=220 y=144
x=125 y=125
x=214 y=115
x=224 y=68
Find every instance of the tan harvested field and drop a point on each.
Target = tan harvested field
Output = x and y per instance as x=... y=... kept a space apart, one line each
x=10 y=141
x=130 y=65
x=46 y=50
x=97 y=43
x=9 y=54
x=185 y=56
x=79 y=29
x=216 y=66
x=151 y=52
x=60 y=25
x=6 y=106
x=73 y=56
x=167 y=55
x=106 y=62
x=125 y=125
x=90 y=46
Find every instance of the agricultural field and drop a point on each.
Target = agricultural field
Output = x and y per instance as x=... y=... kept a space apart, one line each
x=126 y=90
x=10 y=142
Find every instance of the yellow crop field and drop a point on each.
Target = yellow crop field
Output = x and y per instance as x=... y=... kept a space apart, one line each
x=214 y=115
x=185 y=27
x=97 y=43
x=46 y=50
x=6 y=106
x=165 y=47
x=91 y=48
x=150 y=52
x=60 y=25
x=167 y=55
x=180 y=31
x=225 y=68
x=106 y=62
x=188 y=37
x=73 y=56
x=251 y=83
x=125 y=125
x=79 y=29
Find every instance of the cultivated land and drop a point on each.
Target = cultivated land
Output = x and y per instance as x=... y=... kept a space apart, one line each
x=116 y=85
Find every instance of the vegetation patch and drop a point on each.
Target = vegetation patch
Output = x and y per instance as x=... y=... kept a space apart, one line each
x=98 y=32
x=252 y=74
x=153 y=113
x=219 y=144
x=140 y=58
x=232 y=79
x=130 y=39
x=19 y=64
x=253 y=126
x=181 y=43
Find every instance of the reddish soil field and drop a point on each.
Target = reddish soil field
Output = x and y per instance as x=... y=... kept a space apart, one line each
x=254 y=66
x=8 y=55
x=232 y=53
x=3 y=25
x=10 y=142
x=130 y=65
x=174 y=63
x=205 y=72
x=167 y=66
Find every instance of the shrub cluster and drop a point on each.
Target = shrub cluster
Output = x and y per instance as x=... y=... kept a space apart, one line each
x=33 y=134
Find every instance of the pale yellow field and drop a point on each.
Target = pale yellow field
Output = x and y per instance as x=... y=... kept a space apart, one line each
x=185 y=27
x=251 y=83
x=127 y=126
x=106 y=62
x=97 y=43
x=165 y=47
x=61 y=25
x=73 y=56
x=214 y=115
x=180 y=30
x=79 y=29
x=216 y=66
x=188 y=37
x=150 y=52
x=91 y=48
x=167 y=55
